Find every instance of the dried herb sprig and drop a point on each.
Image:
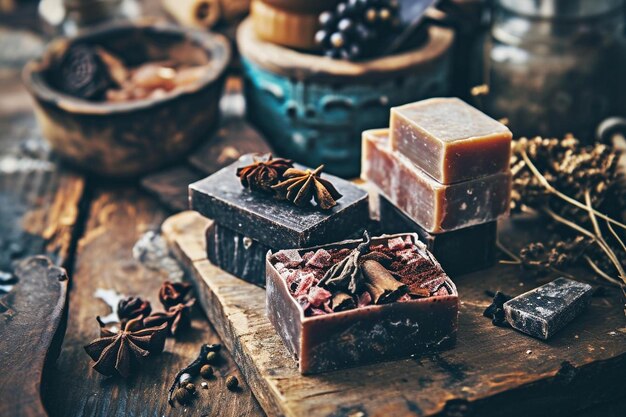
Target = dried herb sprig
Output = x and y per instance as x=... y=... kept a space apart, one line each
x=554 y=177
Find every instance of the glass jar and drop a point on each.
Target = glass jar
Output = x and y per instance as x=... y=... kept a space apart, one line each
x=555 y=66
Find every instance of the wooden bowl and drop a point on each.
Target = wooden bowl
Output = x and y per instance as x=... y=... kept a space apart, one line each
x=125 y=139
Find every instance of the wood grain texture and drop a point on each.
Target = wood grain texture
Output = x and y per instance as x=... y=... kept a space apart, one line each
x=32 y=324
x=117 y=218
x=491 y=371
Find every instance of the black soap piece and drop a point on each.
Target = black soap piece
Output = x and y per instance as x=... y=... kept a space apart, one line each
x=546 y=309
x=495 y=310
x=459 y=252
x=236 y=253
x=277 y=224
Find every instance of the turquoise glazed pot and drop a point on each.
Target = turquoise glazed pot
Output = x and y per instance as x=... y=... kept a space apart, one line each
x=313 y=109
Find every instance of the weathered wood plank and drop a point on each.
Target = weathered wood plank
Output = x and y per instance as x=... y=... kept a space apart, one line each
x=117 y=218
x=32 y=324
x=491 y=371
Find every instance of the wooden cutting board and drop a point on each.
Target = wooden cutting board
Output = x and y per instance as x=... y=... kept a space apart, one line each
x=491 y=371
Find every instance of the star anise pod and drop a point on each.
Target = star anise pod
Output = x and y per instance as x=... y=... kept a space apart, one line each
x=132 y=307
x=262 y=175
x=173 y=293
x=177 y=317
x=119 y=352
x=300 y=186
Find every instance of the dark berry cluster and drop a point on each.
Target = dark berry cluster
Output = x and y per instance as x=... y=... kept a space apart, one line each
x=357 y=29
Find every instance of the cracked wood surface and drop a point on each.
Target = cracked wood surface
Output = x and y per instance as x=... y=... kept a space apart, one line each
x=491 y=371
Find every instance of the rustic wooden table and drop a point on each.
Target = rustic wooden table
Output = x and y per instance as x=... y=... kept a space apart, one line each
x=89 y=226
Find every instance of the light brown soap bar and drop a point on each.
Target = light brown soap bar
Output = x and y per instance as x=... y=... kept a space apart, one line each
x=450 y=140
x=436 y=207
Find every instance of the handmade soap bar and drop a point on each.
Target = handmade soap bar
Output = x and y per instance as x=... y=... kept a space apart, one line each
x=403 y=308
x=437 y=208
x=450 y=140
x=236 y=253
x=459 y=252
x=249 y=223
x=545 y=310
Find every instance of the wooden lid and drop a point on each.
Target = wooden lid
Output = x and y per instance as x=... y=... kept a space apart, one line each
x=310 y=67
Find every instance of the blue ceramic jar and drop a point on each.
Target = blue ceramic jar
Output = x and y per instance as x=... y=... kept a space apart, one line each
x=313 y=109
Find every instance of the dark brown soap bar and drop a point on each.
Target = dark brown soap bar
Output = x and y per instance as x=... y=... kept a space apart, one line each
x=459 y=252
x=248 y=224
x=436 y=207
x=277 y=224
x=365 y=332
x=450 y=140
x=237 y=254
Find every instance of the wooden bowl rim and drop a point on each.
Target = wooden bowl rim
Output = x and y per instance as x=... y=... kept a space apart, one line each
x=308 y=67
x=214 y=43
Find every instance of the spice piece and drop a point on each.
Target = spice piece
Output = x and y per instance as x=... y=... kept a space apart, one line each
x=82 y=73
x=211 y=357
x=381 y=285
x=262 y=175
x=206 y=371
x=346 y=274
x=183 y=396
x=300 y=186
x=178 y=317
x=173 y=293
x=192 y=369
x=342 y=301
x=132 y=307
x=232 y=382
x=190 y=387
x=204 y=385
x=119 y=352
x=495 y=311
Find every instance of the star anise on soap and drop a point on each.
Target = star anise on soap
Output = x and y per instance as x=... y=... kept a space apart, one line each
x=262 y=175
x=177 y=317
x=132 y=307
x=119 y=352
x=302 y=185
x=173 y=293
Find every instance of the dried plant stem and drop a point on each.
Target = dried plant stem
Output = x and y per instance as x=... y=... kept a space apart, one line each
x=616 y=236
x=607 y=250
x=507 y=252
x=600 y=272
x=562 y=196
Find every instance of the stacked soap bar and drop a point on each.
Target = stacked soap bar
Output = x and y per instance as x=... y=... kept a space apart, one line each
x=444 y=166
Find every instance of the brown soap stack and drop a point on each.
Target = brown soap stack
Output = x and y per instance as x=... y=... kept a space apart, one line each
x=290 y=23
x=442 y=169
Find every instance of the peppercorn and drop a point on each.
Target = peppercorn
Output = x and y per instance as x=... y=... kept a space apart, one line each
x=211 y=357
x=182 y=396
x=206 y=371
x=190 y=387
x=232 y=382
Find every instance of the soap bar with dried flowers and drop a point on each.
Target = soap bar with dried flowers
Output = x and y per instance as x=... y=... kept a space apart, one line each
x=459 y=252
x=249 y=220
x=450 y=140
x=437 y=208
x=364 y=301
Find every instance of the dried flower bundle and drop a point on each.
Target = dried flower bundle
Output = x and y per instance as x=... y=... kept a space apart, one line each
x=579 y=188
